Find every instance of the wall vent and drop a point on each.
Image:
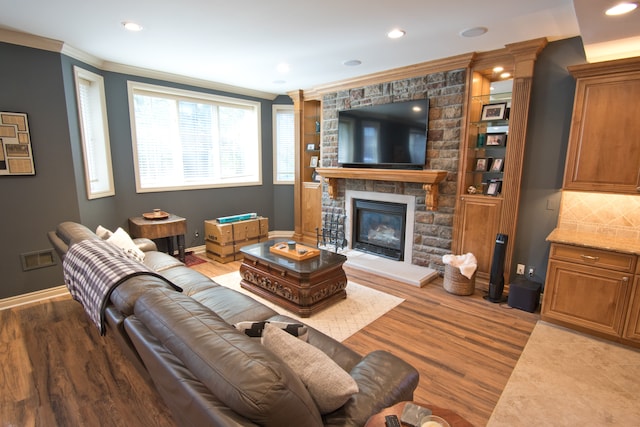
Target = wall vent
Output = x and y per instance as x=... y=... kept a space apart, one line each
x=37 y=259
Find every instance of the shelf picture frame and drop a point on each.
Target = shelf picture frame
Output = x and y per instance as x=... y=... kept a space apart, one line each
x=313 y=162
x=497 y=139
x=497 y=111
x=481 y=164
x=497 y=164
x=311 y=147
x=494 y=187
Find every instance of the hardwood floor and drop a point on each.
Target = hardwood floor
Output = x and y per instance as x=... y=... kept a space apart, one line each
x=57 y=371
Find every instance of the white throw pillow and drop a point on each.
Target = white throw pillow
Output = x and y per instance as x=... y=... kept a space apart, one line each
x=103 y=233
x=121 y=239
x=329 y=385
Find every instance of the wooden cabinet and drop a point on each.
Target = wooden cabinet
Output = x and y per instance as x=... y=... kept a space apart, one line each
x=487 y=202
x=632 y=327
x=480 y=221
x=307 y=185
x=589 y=290
x=604 y=142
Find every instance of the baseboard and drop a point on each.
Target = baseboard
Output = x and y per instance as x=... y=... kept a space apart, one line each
x=198 y=249
x=280 y=234
x=32 y=297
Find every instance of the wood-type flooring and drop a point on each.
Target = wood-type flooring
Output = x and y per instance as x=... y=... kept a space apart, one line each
x=57 y=371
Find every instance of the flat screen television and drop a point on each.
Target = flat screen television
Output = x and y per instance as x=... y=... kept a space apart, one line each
x=391 y=136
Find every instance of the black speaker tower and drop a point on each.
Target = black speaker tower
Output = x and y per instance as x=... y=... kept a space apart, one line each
x=496 y=279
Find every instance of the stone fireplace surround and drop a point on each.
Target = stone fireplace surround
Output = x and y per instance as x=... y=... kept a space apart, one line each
x=432 y=234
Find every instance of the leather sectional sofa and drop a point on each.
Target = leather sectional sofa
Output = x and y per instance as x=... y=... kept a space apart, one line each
x=210 y=373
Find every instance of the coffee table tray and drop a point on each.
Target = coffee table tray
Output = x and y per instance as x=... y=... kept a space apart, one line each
x=281 y=248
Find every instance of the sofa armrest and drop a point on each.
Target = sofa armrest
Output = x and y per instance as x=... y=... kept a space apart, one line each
x=144 y=244
x=383 y=380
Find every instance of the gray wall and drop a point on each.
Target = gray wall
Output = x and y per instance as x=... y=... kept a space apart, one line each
x=547 y=136
x=31 y=82
x=40 y=83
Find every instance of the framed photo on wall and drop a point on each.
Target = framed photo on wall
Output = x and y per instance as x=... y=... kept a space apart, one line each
x=496 y=111
x=496 y=139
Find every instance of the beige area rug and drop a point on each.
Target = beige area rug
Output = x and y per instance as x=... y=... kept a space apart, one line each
x=362 y=306
x=565 y=378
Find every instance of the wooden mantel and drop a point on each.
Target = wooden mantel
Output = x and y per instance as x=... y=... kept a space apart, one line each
x=430 y=178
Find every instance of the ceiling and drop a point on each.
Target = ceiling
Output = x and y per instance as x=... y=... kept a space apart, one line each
x=242 y=42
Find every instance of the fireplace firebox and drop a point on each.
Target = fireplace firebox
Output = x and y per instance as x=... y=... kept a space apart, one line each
x=379 y=228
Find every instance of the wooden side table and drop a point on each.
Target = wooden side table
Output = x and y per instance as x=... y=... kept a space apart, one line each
x=161 y=228
x=448 y=415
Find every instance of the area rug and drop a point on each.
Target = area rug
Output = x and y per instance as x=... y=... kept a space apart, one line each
x=190 y=259
x=362 y=306
x=565 y=378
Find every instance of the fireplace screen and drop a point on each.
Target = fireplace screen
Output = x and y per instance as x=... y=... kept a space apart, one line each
x=379 y=228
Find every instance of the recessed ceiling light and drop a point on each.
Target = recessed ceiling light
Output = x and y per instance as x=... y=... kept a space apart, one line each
x=473 y=32
x=352 y=63
x=498 y=69
x=396 y=33
x=132 y=26
x=621 y=8
x=505 y=75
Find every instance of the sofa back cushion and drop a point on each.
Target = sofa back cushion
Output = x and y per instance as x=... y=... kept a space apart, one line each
x=248 y=378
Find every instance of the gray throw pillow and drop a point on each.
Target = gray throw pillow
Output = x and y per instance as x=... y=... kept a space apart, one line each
x=329 y=385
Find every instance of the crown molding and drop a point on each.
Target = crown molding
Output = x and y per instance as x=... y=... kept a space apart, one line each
x=51 y=45
x=29 y=40
x=192 y=81
x=435 y=66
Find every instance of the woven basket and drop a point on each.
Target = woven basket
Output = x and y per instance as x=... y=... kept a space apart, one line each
x=457 y=284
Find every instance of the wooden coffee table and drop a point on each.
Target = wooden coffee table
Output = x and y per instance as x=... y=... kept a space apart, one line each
x=303 y=287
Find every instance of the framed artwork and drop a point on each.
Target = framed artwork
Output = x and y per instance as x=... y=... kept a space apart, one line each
x=493 y=187
x=496 y=139
x=497 y=164
x=494 y=111
x=481 y=164
x=16 y=156
x=314 y=161
x=311 y=147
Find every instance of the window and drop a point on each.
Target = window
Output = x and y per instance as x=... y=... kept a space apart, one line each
x=94 y=134
x=284 y=140
x=187 y=140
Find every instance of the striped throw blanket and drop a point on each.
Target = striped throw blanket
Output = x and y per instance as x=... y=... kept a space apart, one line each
x=93 y=269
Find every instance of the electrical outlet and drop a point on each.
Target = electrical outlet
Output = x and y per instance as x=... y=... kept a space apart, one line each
x=520 y=269
x=196 y=234
x=531 y=272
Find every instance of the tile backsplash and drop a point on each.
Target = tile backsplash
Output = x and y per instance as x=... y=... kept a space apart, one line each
x=614 y=215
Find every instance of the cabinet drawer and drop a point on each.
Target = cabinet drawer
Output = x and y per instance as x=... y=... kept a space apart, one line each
x=594 y=257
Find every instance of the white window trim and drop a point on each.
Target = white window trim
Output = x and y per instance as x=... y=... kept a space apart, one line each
x=80 y=73
x=137 y=86
x=275 y=110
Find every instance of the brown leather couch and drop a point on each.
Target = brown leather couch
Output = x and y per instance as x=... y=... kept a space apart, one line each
x=209 y=373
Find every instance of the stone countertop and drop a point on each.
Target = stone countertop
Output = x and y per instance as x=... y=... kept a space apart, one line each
x=595 y=240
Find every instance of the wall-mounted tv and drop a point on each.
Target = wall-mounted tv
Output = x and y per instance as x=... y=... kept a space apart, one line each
x=390 y=135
